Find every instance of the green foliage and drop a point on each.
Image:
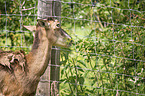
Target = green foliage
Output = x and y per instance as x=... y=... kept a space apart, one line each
x=107 y=57
x=12 y=34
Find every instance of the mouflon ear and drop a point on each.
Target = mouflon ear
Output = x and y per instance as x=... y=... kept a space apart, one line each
x=31 y=28
x=50 y=19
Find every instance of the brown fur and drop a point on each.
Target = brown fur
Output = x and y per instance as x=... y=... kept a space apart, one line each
x=20 y=73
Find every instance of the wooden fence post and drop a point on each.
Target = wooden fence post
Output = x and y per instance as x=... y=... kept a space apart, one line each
x=48 y=86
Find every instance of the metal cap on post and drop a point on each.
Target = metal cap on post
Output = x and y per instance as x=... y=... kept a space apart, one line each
x=44 y=9
x=50 y=8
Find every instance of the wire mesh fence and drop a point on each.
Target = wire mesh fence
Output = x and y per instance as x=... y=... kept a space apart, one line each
x=108 y=54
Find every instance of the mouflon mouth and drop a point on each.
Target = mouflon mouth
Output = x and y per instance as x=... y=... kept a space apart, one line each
x=63 y=39
x=63 y=42
x=68 y=38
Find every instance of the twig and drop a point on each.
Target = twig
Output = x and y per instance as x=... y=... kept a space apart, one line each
x=28 y=9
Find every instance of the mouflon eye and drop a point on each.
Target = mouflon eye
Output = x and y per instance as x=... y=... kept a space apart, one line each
x=58 y=25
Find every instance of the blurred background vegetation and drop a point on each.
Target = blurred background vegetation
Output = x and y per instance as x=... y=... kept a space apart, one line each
x=108 y=55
